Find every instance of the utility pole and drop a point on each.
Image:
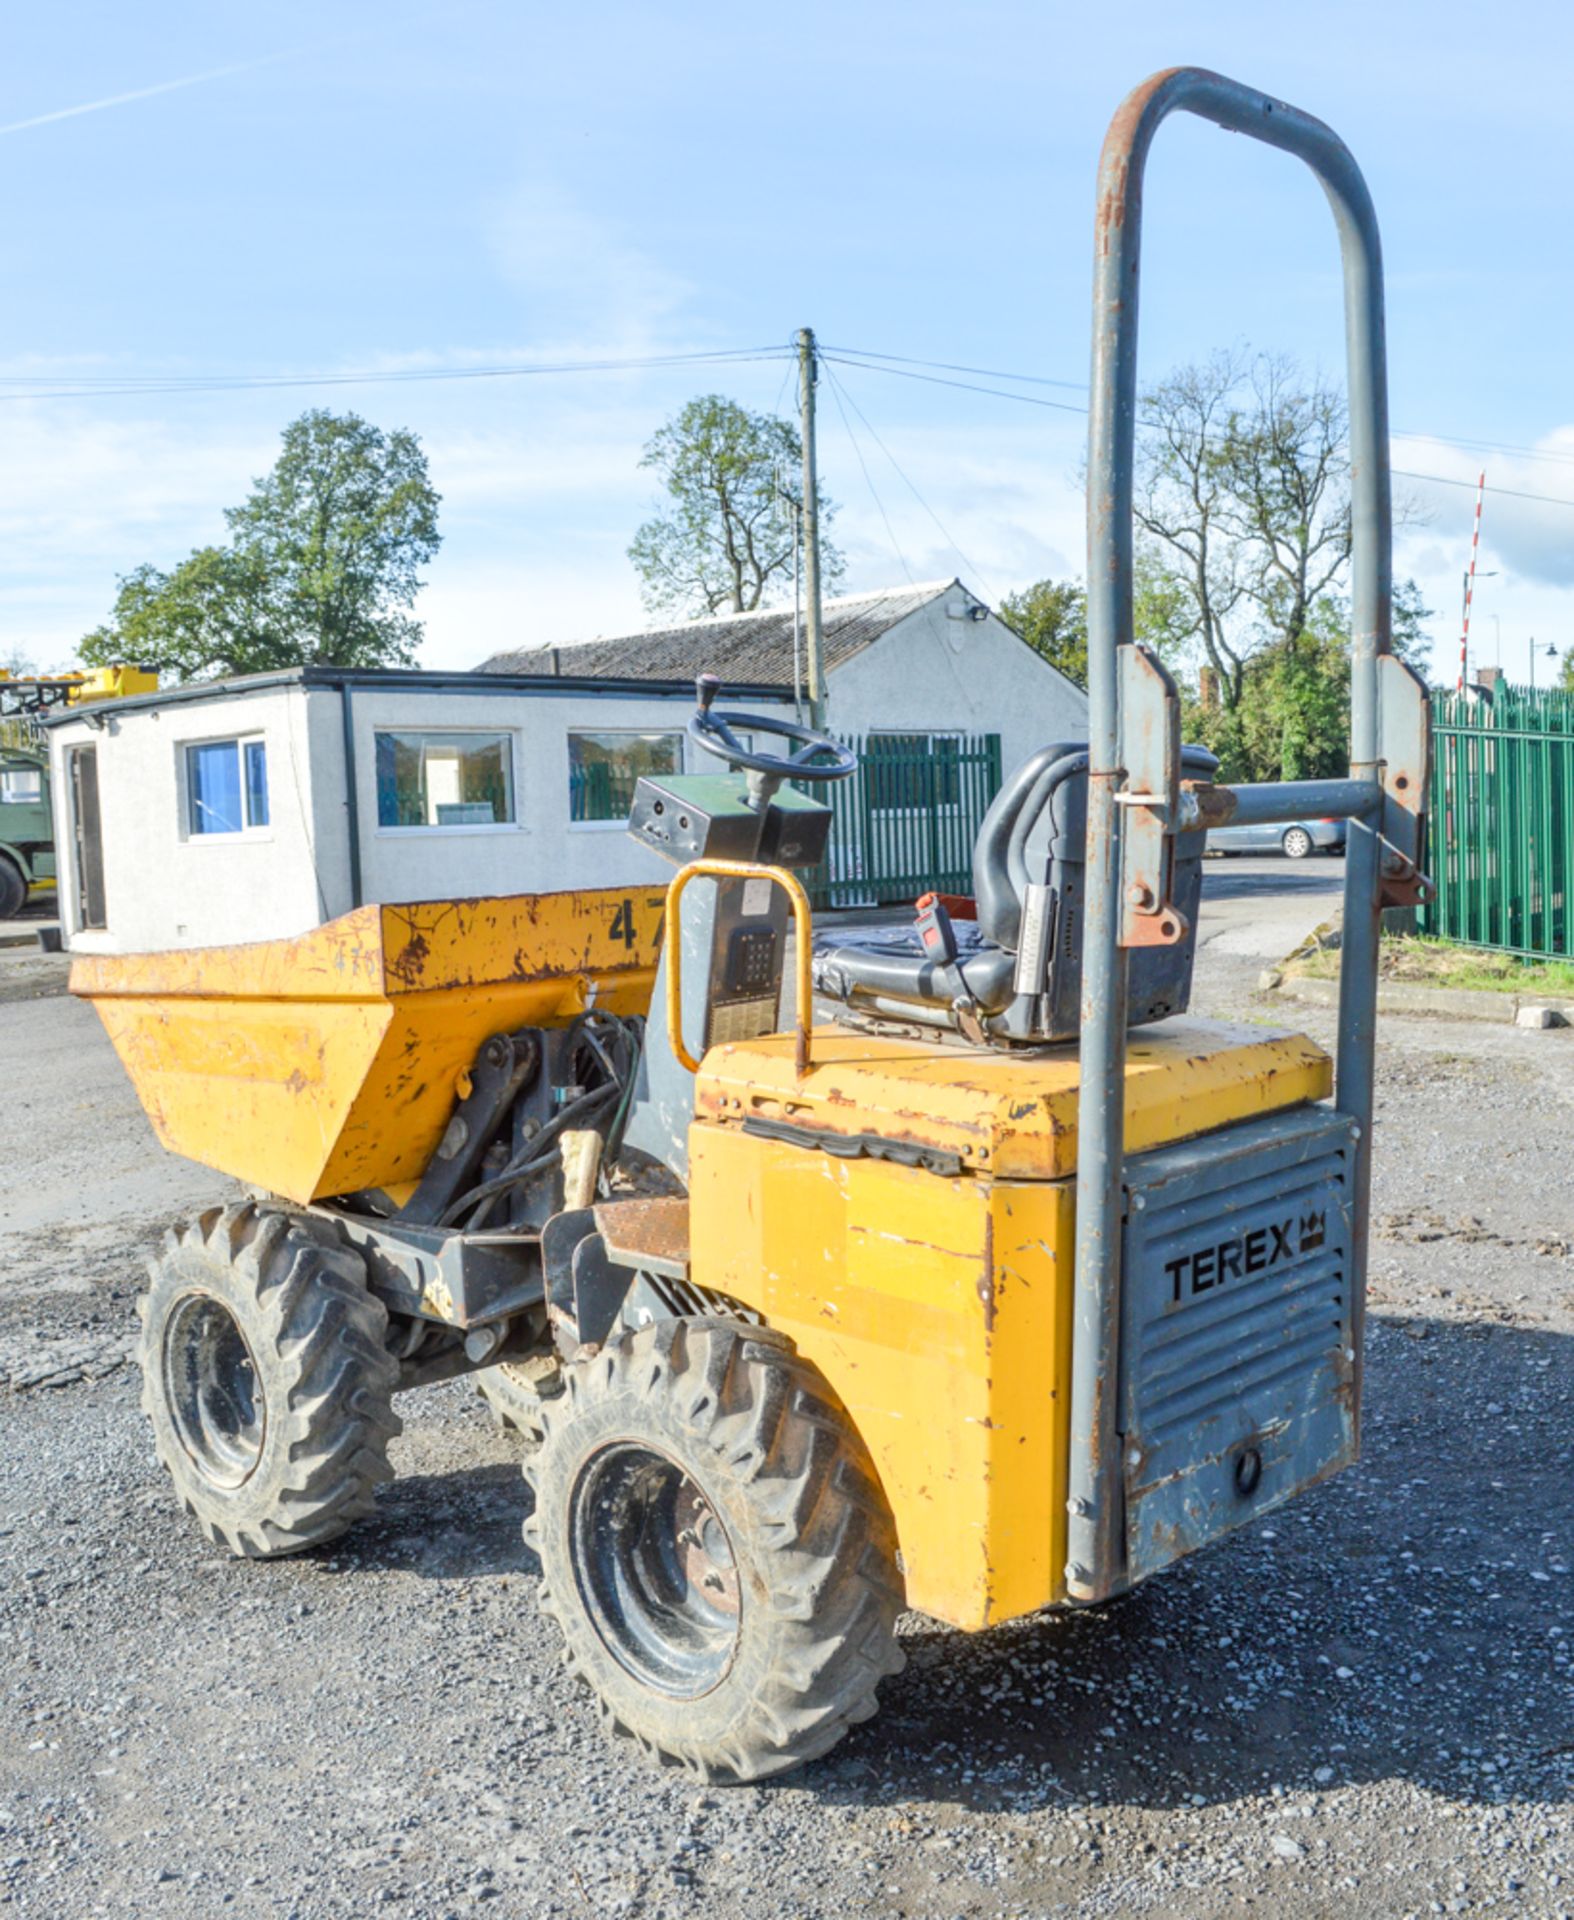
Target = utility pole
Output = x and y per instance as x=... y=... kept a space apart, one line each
x=1469 y=587
x=808 y=375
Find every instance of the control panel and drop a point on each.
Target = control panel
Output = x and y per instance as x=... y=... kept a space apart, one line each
x=748 y=948
x=694 y=816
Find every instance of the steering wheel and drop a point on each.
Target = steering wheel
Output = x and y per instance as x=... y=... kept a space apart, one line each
x=714 y=733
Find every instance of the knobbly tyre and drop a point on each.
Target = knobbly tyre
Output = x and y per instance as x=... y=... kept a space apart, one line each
x=1001 y=1290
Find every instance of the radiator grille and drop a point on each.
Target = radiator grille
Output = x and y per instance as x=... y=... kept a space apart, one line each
x=1237 y=1374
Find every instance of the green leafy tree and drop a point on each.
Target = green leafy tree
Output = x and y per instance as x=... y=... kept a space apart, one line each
x=1052 y=617
x=1566 y=676
x=322 y=568
x=726 y=540
x=1292 y=721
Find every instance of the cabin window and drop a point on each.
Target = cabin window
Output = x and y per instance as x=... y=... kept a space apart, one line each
x=604 y=768
x=21 y=786
x=427 y=780
x=227 y=786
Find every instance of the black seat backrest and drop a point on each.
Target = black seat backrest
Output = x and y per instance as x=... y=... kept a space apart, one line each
x=999 y=872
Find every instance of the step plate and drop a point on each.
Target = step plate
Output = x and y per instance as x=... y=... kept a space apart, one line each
x=1238 y=1368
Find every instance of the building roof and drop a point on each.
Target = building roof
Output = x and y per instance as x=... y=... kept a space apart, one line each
x=392 y=680
x=740 y=647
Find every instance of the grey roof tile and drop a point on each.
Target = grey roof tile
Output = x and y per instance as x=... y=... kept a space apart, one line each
x=756 y=648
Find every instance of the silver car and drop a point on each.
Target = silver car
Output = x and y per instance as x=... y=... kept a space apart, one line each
x=1295 y=840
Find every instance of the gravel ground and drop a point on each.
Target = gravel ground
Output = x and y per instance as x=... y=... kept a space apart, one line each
x=1362 y=1704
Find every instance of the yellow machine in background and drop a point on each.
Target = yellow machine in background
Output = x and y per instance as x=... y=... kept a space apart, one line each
x=36 y=693
x=997 y=1283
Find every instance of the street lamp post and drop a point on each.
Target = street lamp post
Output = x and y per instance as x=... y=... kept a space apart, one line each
x=1550 y=652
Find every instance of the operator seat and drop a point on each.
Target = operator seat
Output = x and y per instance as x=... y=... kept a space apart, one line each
x=1027 y=867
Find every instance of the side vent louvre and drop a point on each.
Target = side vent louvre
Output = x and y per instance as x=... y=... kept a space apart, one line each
x=1237 y=1385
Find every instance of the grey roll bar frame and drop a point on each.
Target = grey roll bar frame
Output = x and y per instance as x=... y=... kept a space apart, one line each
x=1385 y=813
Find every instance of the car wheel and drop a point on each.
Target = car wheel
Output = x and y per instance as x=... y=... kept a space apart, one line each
x=1297 y=843
x=13 y=890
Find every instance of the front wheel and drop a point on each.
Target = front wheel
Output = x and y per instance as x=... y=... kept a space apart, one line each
x=13 y=890
x=267 y=1381
x=715 y=1548
x=1297 y=843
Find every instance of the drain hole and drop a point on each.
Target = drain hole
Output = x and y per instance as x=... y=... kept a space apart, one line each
x=1248 y=1471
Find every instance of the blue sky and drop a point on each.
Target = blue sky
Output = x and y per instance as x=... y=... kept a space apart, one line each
x=409 y=188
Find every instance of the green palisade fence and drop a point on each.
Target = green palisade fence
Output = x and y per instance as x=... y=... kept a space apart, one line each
x=1501 y=822
x=907 y=819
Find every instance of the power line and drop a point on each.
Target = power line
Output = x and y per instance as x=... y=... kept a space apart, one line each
x=836 y=395
x=109 y=386
x=102 y=387
x=966 y=386
x=1081 y=386
x=1442 y=480
x=1509 y=493
x=950 y=539
x=948 y=366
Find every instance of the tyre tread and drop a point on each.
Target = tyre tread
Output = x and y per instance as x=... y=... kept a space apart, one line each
x=317 y=1337
x=758 y=1414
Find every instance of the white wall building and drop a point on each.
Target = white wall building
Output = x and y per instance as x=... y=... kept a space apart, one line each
x=256 y=808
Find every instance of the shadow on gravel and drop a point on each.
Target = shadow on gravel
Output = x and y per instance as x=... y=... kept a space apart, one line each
x=445 y=1526
x=1410 y=1620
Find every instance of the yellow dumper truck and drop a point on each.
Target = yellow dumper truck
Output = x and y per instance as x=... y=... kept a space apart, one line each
x=999 y=1286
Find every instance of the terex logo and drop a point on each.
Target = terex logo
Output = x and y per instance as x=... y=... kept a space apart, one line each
x=1249 y=1253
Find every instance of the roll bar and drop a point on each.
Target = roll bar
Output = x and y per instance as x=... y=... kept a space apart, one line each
x=1135 y=805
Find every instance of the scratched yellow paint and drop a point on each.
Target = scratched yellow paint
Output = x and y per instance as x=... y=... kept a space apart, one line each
x=1013 y=1114
x=320 y=1064
x=940 y=1311
x=939 y=1305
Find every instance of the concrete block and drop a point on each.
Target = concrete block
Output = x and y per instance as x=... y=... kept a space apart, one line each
x=1538 y=1017
x=1269 y=979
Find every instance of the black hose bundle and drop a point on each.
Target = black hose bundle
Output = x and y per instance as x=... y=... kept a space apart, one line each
x=601 y=1057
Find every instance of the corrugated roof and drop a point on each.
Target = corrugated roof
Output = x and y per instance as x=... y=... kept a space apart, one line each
x=739 y=647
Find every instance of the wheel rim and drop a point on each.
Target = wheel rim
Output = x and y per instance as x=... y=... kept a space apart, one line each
x=211 y=1389
x=1297 y=842
x=656 y=1570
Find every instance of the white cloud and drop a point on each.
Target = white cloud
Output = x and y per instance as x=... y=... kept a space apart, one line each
x=1525 y=580
x=580 y=278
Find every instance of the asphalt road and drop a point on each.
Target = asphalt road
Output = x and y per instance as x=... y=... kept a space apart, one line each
x=1261 y=906
x=1364 y=1704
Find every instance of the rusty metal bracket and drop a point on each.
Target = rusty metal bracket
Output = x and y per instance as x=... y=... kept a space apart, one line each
x=648 y=1234
x=1150 y=746
x=1405 y=750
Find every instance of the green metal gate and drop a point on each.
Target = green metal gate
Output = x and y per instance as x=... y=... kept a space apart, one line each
x=1501 y=822
x=907 y=819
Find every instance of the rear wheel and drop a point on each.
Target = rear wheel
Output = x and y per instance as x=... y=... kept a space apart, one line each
x=514 y=1391
x=13 y=889
x=267 y=1380
x=1297 y=843
x=715 y=1548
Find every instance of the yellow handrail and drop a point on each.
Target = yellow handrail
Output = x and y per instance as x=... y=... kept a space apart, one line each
x=737 y=870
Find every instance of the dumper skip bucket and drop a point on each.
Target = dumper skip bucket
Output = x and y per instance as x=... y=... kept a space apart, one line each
x=330 y=1062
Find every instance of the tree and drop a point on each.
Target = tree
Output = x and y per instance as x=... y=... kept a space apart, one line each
x=1182 y=507
x=1243 y=504
x=727 y=540
x=1052 y=617
x=322 y=569
x=1566 y=677
x=1286 y=472
x=1293 y=719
